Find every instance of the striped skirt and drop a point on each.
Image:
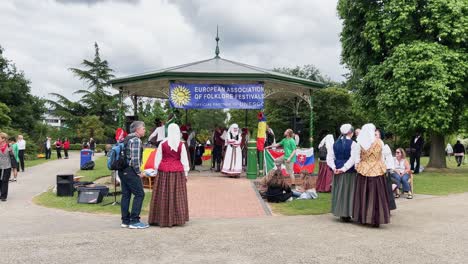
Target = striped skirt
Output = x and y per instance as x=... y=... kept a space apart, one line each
x=371 y=203
x=343 y=194
x=325 y=177
x=169 y=203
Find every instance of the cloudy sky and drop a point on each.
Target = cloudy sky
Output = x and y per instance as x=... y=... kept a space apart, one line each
x=44 y=38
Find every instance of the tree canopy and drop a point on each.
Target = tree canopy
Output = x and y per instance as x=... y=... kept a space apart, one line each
x=408 y=61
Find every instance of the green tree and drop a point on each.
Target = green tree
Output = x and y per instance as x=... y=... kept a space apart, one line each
x=408 y=61
x=97 y=98
x=15 y=93
x=5 y=119
x=91 y=126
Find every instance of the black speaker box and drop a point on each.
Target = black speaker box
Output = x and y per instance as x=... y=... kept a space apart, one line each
x=65 y=185
x=89 y=196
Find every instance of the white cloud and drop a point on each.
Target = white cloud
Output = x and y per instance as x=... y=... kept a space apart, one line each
x=45 y=38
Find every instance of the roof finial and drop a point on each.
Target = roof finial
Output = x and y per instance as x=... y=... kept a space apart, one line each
x=217 y=40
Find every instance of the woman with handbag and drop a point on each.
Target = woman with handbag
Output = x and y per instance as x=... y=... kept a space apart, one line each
x=6 y=160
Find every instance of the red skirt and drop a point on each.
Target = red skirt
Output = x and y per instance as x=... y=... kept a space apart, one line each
x=169 y=203
x=324 y=178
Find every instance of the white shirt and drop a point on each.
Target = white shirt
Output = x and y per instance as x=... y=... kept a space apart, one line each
x=48 y=144
x=160 y=132
x=352 y=161
x=416 y=139
x=388 y=158
x=183 y=159
x=296 y=139
x=21 y=144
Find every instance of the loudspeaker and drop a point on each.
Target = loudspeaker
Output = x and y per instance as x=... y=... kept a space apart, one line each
x=65 y=185
x=89 y=196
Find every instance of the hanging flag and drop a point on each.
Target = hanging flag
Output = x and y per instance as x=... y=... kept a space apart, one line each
x=149 y=155
x=304 y=160
x=270 y=156
x=207 y=153
x=261 y=132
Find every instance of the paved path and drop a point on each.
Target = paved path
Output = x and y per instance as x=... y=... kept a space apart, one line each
x=429 y=230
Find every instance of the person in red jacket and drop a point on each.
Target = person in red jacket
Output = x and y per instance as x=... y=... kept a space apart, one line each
x=66 y=147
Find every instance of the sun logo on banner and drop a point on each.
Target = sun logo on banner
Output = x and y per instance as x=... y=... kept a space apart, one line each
x=180 y=96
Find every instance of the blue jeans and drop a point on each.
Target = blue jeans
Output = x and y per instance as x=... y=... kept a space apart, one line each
x=130 y=183
x=296 y=194
x=401 y=180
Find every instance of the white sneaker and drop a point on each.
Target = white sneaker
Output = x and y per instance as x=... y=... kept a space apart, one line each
x=123 y=225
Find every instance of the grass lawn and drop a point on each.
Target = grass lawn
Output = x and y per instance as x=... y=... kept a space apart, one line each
x=53 y=156
x=431 y=181
x=100 y=170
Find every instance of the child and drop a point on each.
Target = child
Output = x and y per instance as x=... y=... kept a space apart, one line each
x=278 y=190
x=307 y=189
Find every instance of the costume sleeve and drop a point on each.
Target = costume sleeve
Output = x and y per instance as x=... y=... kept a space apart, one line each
x=352 y=159
x=388 y=158
x=158 y=158
x=331 y=158
x=184 y=160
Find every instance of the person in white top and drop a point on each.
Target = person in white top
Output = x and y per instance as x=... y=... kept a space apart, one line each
x=401 y=173
x=449 y=151
x=21 y=149
x=159 y=134
x=297 y=138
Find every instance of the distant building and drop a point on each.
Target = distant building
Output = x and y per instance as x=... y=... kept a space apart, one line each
x=52 y=120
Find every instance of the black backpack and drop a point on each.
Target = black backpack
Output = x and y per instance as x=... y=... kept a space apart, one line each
x=117 y=157
x=88 y=165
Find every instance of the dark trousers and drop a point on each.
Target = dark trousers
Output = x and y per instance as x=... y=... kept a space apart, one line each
x=59 y=153
x=218 y=154
x=21 y=159
x=65 y=151
x=130 y=183
x=4 y=181
x=415 y=158
x=48 y=152
x=192 y=157
x=459 y=160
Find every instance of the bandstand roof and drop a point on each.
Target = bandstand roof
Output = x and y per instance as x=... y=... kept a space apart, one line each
x=217 y=71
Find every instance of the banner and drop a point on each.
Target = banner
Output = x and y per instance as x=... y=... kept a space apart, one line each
x=305 y=160
x=216 y=96
x=149 y=155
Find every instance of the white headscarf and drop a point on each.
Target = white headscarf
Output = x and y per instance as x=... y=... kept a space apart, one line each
x=327 y=141
x=231 y=131
x=345 y=129
x=173 y=136
x=367 y=136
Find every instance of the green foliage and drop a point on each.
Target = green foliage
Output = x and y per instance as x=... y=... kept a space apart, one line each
x=5 y=119
x=25 y=109
x=425 y=75
x=91 y=127
x=408 y=62
x=308 y=71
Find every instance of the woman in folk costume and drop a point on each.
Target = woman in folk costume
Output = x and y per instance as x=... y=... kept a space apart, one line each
x=341 y=158
x=371 y=195
x=325 y=174
x=169 y=204
x=232 y=163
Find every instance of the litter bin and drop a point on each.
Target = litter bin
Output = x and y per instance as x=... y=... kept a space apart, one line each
x=86 y=156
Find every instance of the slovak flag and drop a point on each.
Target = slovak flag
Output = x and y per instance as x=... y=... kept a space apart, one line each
x=304 y=160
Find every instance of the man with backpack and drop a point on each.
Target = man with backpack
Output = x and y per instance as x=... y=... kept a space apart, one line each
x=130 y=178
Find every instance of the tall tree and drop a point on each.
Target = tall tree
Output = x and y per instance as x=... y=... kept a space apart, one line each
x=408 y=60
x=97 y=98
x=91 y=126
x=5 y=119
x=15 y=93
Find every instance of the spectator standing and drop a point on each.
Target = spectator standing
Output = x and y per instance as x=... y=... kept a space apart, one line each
x=416 y=146
x=47 y=148
x=21 y=149
x=459 y=152
x=5 y=166
x=92 y=145
x=14 y=148
x=130 y=178
x=289 y=157
x=58 y=147
x=449 y=151
x=66 y=147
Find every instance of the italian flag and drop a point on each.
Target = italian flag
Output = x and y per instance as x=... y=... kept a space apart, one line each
x=270 y=156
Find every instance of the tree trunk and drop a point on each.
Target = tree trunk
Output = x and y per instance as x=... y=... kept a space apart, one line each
x=437 y=152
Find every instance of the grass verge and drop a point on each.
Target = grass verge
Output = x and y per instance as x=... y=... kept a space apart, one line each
x=100 y=170
x=322 y=205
